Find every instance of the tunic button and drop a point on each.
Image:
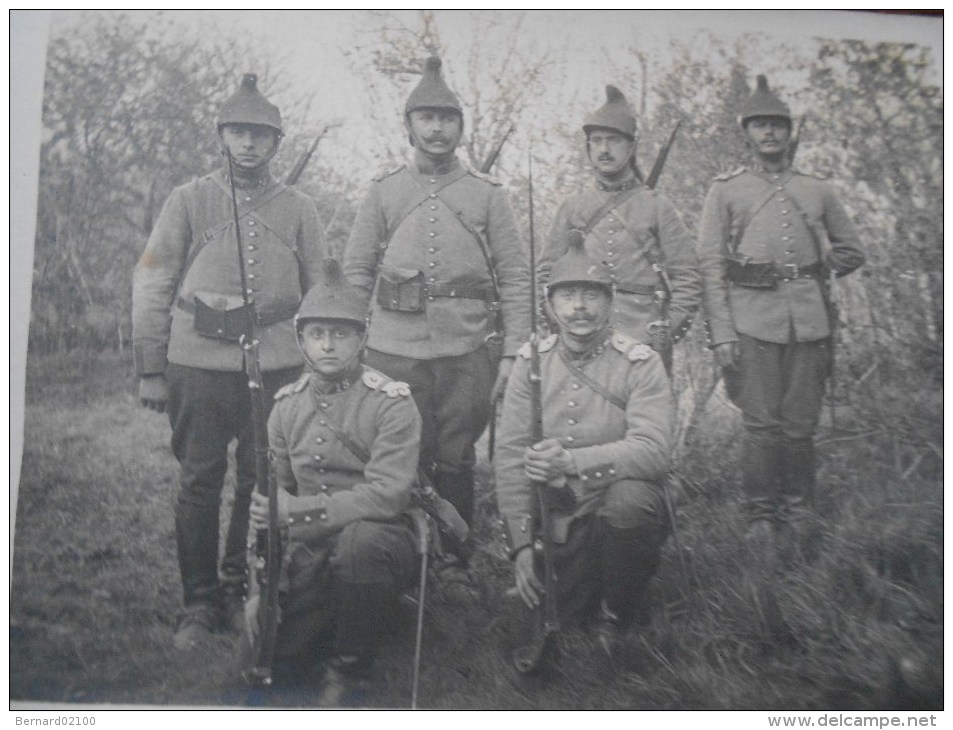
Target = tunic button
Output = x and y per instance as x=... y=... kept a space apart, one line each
x=319 y=440
x=324 y=487
x=323 y=515
x=784 y=212
x=433 y=195
x=322 y=471
x=609 y=241
x=429 y=299
x=431 y=264
x=785 y=238
x=323 y=404
x=433 y=180
x=611 y=472
x=252 y=248
x=431 y=279
x=431 y=250
x=598 y=474
x=570 y=439
x=433 y=220
x=432 y=234
x=247 y=198
x=318 y=457
x=252 y=234
x=611 y=264
x=252 y=262
x=611 y=231
x=433 y=207
x=785 y=224
x=251 y=223
x=576 y=386
x=782 y=199
x=780 y=187
x=307 y=518
x=571 y=404
x=251 y=276
x=610 y=253
x=572 y=421
x=322 y=423
x=585 y=477
x=291 y=520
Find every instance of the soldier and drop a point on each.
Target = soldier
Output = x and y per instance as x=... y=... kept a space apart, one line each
x=436 y=249
x=769 y=237
x=636 y=231
x=187 y=318
x=607 y=417
x=345 y=440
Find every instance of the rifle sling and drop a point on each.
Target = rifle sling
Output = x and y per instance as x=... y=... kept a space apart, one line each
x=591 y=382
x=604 y=209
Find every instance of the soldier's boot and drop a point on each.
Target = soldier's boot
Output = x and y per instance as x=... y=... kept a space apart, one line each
x=362 y=610
x=629 y=558
x=457 y=488
x=196 y=532
x=799 y=476
x=760 y=473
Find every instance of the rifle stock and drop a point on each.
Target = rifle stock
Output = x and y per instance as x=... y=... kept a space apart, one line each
x=302 y=162
x=269 y=544
x=532 y=657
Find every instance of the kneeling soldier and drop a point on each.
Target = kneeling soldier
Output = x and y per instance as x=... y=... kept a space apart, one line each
x=345 y=440
x=607 y=414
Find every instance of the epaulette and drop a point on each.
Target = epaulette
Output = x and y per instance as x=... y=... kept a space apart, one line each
x=388 y=173
x=545 y=345
x=376 y=380
x=484 y=177
x=728 y=175
x=292 y=388
x=815 y=175
x=631 y=347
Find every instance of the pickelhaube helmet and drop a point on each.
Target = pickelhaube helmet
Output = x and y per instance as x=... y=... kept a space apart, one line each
x=578 y=267
x=763 y=103
x=432 y=91
x=615 y=114
x=332 y=297
x=249 y=106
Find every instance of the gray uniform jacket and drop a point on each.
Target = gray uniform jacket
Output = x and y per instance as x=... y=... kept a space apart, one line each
x=415 y=215
x=607 y=443
x=643 y=228
x=192 y=252
x=761 y=217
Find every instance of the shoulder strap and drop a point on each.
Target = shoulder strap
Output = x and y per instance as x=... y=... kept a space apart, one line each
x=356 y=448
x=818 y=247
x=752 y=212
x=604 y=209
x=591 y=382
x=484 y=249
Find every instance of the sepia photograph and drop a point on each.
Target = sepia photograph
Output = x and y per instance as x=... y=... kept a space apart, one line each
x=582 y=360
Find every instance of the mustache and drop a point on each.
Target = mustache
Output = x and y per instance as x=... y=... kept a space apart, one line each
x=437 y=138
x=606 y=157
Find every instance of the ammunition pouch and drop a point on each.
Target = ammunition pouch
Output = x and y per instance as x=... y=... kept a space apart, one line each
x=767 y=275
x=401 y=290
x=222 y=316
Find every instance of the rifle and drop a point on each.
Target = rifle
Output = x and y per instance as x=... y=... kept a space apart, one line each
x=663 y=290
x=269 y=544
x=795 y=139
x=485 y=169
x=305 y=158
x=532 y=657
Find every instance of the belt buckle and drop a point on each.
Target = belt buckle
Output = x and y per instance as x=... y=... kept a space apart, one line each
x=793 y=269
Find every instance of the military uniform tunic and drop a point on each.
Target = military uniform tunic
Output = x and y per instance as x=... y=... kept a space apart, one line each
x=765 y=217
x=644 y=228
x=414 y=214
x=346 y=538
x=608 y=444
x=192 y=254
x=192 y=251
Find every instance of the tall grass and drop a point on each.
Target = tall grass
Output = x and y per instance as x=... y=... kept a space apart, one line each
x=845 y=613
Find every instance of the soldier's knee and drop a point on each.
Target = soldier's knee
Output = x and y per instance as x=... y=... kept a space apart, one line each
x=632 y=503
x=370 y=551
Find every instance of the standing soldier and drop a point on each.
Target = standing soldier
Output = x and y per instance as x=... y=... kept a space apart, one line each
x=636 y=231
x=436 y=249
x=345 y=440
x=187 y=319
x=607 y=418
x=770 y=236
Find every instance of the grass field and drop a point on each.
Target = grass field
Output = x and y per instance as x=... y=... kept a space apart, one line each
x=849 y=615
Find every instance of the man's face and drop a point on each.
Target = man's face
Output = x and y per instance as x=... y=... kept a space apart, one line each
x=250 y=145
x=581 y=309
x=769 y=136
x=332 y=346
x=610 y=151
x=436 y=131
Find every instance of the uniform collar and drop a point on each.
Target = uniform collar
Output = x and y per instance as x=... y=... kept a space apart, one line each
x=425 y=165
x=771 y=175
x=590 y=354
x=617 y=187
x=320 y=386
x=247 y=183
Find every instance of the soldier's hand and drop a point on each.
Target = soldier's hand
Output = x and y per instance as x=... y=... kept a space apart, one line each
x=547 y=461
x=154 y=392
x=503 y=375
x=258 y=510
x=527 y=584
x=727 y=354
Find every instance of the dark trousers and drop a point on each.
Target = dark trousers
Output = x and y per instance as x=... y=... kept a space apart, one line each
x=453 y=397
x=338 y=594
x=780 y=392
x=207 y=410
x=611 y=553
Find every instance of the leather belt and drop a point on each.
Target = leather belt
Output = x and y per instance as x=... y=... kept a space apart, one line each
x=263 y=320
x=647 y=289
x=758 y=274
x=461 y=292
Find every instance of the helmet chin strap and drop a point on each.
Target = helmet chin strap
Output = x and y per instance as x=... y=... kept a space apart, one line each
x=357 y=358
x=243 y=172
x=564 y=330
